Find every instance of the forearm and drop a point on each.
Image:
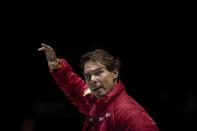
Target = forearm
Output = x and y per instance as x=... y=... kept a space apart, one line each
x=72 y=85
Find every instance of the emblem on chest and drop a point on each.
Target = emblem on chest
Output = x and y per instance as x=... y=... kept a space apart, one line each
x=106 y=115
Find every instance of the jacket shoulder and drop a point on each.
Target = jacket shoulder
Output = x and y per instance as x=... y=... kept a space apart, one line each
x=131 y=115
x=125 y=102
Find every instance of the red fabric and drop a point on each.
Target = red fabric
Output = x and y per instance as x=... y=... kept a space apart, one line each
x=116 y=112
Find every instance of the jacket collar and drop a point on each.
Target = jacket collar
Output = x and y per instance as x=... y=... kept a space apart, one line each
x=116 y=90
x=100 y=104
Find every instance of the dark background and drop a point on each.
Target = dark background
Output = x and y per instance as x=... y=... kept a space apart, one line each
x=156 y=50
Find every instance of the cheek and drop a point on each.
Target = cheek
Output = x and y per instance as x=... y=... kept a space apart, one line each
x=107 y=80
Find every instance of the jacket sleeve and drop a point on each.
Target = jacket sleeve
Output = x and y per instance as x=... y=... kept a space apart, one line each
x=72 y=86
x=135 y=120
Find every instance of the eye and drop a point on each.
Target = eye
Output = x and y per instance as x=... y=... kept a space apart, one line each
x=87 y=76
x=97 y=73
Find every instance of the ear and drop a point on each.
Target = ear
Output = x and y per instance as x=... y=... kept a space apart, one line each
x=115 y=73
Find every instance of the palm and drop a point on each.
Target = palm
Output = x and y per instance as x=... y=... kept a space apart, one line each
x=49 y=52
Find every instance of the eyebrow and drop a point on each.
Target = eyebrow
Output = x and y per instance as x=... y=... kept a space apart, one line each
x=85 y=74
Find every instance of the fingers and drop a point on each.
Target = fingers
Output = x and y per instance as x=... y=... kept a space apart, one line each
x=41 y=49
x=49 y=52
x=45 y=45
x=46 y=48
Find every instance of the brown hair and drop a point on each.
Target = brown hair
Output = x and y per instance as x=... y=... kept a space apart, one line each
x=103 y=57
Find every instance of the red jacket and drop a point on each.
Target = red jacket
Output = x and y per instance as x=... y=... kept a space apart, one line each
x=115 y=112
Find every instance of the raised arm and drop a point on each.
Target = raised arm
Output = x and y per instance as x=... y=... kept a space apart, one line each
x=70 y=83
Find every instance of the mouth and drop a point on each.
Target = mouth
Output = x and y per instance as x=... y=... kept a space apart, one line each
x=96 y=89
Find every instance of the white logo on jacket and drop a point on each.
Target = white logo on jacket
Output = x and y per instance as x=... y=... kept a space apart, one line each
x=105 y=116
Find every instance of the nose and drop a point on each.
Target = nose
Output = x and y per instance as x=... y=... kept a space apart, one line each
x=93 y=79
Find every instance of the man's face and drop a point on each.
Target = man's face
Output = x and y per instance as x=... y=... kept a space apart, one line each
x=99 y=79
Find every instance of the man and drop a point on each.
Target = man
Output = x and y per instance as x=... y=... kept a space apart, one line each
x=102 y=96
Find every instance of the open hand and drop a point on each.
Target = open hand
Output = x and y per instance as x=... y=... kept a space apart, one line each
x=49 y=52
x=53 y=61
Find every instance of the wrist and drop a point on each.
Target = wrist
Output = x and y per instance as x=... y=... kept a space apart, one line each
x=55 y=65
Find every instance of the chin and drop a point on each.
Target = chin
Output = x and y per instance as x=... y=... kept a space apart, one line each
x=100 y=95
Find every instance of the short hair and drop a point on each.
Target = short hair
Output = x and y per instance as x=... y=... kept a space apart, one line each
x=102 y=56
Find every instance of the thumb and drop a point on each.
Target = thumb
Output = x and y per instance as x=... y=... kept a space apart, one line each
x=41 y=49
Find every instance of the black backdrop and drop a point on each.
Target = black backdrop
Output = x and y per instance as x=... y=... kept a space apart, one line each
x=157 y=59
